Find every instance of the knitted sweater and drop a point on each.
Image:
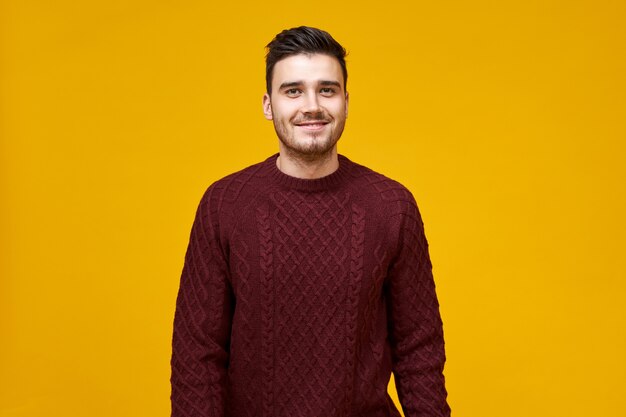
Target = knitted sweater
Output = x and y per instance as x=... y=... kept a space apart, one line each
x=299 y=297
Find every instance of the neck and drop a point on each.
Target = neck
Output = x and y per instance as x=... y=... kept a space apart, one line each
x=308 y=168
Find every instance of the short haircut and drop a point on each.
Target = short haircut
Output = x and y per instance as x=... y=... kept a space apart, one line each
x=302 y=40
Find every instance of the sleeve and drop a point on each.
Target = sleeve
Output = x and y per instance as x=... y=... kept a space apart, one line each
x=415 y=326
x=202 y=321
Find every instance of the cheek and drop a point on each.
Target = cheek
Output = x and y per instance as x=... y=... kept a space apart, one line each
x=340 y=112
x=337 y=108
x=283 y=111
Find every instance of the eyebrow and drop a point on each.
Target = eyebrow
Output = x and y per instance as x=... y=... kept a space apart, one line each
x=333 y=83
x=290 y=84
x=299 y=83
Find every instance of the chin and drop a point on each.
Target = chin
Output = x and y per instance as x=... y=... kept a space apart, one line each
x=308 y=150
x=315 y=145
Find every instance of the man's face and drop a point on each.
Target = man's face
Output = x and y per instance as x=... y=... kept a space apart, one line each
x=308 y=104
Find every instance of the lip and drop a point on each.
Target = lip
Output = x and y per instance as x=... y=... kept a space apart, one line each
x=313 y=126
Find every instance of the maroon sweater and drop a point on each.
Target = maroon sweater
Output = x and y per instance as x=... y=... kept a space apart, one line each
x=298 y=298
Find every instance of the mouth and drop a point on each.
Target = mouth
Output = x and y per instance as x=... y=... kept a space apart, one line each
x=312 y=124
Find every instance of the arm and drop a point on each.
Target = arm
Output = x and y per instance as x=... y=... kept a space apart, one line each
x=201 y=323
x=415 y=325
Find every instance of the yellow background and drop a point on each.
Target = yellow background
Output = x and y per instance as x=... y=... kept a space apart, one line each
x=506 y=119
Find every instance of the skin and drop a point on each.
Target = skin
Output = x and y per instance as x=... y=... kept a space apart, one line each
x=308 y=107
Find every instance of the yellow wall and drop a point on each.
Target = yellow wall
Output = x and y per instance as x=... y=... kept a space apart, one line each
x=506 y=119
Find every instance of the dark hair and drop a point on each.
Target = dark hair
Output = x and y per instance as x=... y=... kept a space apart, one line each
x=302 y=40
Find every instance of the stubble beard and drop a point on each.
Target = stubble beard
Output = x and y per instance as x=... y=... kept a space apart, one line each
x=317 y=147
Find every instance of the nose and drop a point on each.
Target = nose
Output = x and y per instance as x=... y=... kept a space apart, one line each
x=312 y=104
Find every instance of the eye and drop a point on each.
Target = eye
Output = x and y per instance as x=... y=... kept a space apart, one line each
x=292 y=92
x=327 y=91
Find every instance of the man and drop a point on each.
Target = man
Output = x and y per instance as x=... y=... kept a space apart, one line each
x=307 y=279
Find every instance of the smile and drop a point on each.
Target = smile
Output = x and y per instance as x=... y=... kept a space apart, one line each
x=312 y=125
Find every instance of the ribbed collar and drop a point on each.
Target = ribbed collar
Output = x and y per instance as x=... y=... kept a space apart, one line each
x=325 y=183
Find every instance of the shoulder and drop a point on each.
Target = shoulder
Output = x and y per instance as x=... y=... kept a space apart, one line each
x=224 y=201
x=389 y=204
x=237 y=186
x=387 y=192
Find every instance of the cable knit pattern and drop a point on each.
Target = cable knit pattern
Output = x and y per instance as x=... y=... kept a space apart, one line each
x=267 y=311
x=298 y=298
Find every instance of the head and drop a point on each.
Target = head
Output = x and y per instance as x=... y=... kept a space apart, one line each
x=306 y=95
x=302 y=40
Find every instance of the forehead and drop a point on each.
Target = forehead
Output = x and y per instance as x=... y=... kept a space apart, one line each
x=307 y=68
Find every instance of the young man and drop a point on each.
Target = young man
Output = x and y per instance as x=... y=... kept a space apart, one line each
x=307 y=279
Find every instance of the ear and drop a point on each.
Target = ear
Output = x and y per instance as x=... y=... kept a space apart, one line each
x=267 y=107
x=347 y=102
